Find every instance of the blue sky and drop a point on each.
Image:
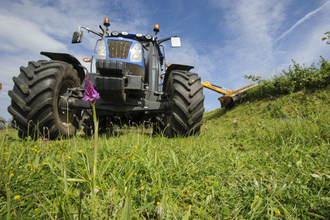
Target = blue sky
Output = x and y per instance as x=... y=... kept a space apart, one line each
x=223 y=39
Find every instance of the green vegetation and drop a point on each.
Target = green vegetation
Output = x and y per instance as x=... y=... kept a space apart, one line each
x=265 y=158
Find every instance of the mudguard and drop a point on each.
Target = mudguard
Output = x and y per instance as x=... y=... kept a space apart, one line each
x=175 y=67
x=68 y=58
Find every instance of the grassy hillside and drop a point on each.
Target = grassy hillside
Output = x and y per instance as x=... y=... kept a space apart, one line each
x=265 y=158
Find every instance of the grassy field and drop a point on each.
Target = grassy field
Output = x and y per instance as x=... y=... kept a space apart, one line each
x=267 y=158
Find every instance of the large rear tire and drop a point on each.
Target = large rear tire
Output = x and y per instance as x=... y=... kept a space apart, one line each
x=35 y=99
x=187 y=104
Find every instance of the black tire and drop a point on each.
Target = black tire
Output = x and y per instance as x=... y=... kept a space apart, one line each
x=35 y=99
x=187 y=104
x=88 y=123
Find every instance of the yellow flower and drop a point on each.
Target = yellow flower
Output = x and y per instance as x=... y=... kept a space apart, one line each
x=17 y=197
x=142 y=188
x=278 y=212
x=11 y=175
x=157 y=203
x=69 y=157
x=45 y=163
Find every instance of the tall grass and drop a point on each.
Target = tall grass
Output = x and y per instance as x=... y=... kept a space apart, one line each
x=266 y=158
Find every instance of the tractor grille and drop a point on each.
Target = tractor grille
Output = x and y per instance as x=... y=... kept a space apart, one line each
x=118 y=49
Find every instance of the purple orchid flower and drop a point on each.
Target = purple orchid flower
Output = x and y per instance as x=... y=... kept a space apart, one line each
x=90 y=94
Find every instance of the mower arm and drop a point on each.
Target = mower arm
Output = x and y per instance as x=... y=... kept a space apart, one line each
x=228 y=96
x=215 y=88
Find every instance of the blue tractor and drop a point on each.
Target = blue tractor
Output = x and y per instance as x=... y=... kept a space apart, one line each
x=131 y=76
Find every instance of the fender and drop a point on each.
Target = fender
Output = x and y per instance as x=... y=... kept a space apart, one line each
x=175 y=67
x=65 y=57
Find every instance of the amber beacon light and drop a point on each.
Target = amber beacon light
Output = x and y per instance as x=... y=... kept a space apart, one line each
x=106 y=22
x=156 y=28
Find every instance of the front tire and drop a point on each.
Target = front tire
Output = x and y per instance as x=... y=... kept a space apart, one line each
x=35 y=99
x=187 y=104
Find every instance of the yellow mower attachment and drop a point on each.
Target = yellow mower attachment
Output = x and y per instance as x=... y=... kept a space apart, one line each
x=228 y=96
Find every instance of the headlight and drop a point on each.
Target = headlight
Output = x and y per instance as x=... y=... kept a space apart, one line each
x=114 y=33
x=102 y=51
x=124 y=33
x=139 y=35
x=148 y=36
x=136 y=53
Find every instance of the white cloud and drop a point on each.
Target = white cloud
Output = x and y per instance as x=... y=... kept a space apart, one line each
x=18 y=34
x=307 y=16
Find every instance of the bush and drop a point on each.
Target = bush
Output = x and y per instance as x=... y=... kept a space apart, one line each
x=294 y=79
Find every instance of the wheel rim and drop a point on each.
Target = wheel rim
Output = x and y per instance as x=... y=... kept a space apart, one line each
x=64 y=116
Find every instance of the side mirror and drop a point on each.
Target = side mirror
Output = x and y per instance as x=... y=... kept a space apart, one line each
x=175 y=41
x=77 y=37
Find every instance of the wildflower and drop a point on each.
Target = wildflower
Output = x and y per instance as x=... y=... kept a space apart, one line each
x=45 y=163
x=157 y=203
x=45 y=139
x=278 y=212
x=90 y=93
x=17 y=197
x=11 y=175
